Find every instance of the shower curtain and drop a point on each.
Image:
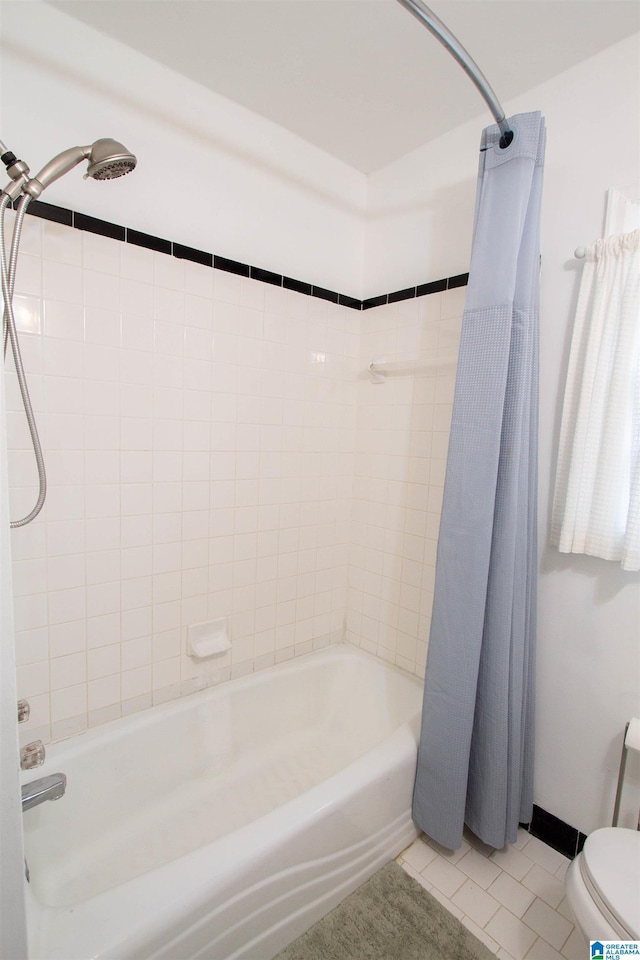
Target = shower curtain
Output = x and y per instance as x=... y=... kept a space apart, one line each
x=475 y=755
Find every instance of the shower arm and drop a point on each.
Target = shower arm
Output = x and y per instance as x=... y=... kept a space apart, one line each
x=442 y=33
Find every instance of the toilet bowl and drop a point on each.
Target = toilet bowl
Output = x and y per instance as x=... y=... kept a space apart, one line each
x=603 y=885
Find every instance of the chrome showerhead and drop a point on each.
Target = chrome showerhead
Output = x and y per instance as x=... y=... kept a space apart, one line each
x=109 y=159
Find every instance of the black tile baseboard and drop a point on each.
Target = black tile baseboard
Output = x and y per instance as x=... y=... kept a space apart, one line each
x=555 y=833
x=48 y=211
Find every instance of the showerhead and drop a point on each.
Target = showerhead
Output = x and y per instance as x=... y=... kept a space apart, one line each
x=109 y=159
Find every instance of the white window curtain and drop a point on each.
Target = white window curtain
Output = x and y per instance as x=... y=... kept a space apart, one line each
x=596 y=508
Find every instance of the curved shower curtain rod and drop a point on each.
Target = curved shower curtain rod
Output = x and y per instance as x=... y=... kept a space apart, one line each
x=433 y=23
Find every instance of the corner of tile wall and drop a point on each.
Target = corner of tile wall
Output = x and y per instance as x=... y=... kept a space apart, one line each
x=402 y=438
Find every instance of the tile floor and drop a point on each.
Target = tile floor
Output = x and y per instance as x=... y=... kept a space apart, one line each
x=512 y=899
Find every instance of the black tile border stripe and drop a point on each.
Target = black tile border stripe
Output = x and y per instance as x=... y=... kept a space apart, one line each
x=436 y=286
x=48 y=211
x=266 y=276
x=231 y=266
x=297 y=285
x=374 y=302
x=346 y=301
x=102 y=227
x=323 y=294
x=407 y=294
x=148 y=242
x=190 y=253
x=461 y=280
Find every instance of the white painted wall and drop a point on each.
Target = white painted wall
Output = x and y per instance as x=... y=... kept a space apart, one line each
x=210 y=174
x=420 y=225
x=420 y=213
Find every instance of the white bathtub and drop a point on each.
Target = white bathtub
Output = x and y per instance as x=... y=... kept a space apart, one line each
x=224 y=824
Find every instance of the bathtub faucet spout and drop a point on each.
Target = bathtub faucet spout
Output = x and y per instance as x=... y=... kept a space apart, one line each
x=46 y=788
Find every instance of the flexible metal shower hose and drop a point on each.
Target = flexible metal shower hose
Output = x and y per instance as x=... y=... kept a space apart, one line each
x=10 y=334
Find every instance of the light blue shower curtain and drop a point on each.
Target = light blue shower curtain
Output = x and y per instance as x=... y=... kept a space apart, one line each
x=475 y=757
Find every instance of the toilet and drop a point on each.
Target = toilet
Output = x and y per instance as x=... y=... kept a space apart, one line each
x=603 y=885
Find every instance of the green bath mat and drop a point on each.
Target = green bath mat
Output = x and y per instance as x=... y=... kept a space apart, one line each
x=390 y=917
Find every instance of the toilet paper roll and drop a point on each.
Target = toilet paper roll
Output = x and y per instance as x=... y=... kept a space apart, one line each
x=632 y=738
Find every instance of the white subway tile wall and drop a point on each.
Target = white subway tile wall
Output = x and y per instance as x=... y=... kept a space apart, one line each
x=215 y=448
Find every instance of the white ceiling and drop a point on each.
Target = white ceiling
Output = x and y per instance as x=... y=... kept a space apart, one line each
x=361 y=79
